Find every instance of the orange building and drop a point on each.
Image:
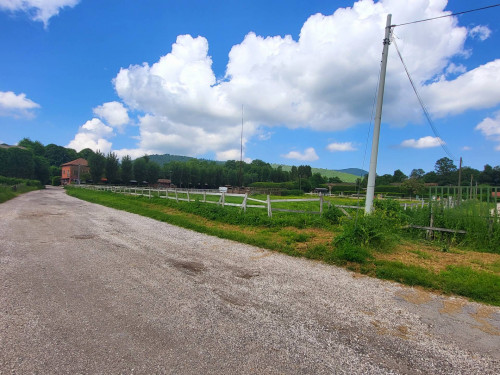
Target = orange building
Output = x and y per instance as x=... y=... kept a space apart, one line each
x=73 y=171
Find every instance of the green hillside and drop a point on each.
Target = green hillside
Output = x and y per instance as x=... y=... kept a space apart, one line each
x=345 y=177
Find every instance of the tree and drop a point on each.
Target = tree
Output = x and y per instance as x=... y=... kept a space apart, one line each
x=383 y=180
x=41 y=169
x=36 y=146
x=112 y=167
x=57 y=155
x=304 y=171
x=139 y=167
x=97 y=165
x=417 y=173
x=444 y=166
x=152 y=172
x=85 y=153
x=413 y=186
x=20 y=163
x=126 y=169
x=398 y=176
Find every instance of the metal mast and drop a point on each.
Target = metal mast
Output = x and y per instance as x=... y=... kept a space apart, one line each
x=370 y=191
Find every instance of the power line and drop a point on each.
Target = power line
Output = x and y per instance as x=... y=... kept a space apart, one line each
x=424 y=109
x=448 y=15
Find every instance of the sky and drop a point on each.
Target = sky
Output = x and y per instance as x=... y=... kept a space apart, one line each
x=298 y=77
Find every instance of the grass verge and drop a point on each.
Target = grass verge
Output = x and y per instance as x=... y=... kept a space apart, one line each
x=371 y=245
x=15 y=188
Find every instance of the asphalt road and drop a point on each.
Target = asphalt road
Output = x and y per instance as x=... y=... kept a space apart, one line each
x=88 y=289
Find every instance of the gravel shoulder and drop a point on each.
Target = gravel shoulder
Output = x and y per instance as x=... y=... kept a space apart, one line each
x=89 y=289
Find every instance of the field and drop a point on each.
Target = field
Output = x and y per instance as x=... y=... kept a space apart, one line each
x=378 y=245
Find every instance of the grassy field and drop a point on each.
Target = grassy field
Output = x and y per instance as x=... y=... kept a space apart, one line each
x=375 y=245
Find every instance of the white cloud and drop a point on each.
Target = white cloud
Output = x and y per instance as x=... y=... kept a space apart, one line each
x=39 y=10
x=344 y=146
x=475 y=89
x=93 y=134
x=16 y=105
x=466 y=148
x=425 y=142
x=490 y=128
x=481 y=32
x=308 y=155
x=322 y=81
x=114 y=113
x=455 y=69
x=233 y=154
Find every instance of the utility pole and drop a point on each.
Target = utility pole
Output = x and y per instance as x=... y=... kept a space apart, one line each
x=241 y=150
x=370 y=189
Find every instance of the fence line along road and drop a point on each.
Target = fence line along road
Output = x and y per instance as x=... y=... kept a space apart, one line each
x=188 y=196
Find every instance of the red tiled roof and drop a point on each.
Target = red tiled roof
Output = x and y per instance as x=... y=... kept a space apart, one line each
x=79 y=161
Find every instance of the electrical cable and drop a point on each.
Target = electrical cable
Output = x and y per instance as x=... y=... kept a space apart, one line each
x=424 y=109
x=447 y=15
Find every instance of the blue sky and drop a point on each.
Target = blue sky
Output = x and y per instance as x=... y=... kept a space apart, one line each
x=152 y=76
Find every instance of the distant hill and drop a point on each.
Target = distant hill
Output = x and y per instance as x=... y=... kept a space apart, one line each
x=345 y=177
x=354 y=171
x=167 y=158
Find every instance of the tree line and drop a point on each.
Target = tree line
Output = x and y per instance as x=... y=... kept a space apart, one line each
x=33 y=160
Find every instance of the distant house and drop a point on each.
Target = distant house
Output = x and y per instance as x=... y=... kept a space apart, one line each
x=73 y=171
x=164 y=183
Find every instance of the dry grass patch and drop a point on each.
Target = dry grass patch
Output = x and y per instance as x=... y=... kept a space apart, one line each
x=434 y=259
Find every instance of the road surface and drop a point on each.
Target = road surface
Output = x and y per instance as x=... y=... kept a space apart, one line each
x=89 y=289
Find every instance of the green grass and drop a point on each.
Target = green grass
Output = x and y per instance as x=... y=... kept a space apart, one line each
x=354 y=243
x=7 y=192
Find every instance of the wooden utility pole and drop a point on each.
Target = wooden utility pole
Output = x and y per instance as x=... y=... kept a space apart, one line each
x=370 y=189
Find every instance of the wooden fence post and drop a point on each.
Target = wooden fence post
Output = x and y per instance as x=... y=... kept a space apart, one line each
x=176 y=196
x=430 y=233
x=187 y=191
x=320 y=204
x=204 y=196
x=269 y=209
x=244 y=204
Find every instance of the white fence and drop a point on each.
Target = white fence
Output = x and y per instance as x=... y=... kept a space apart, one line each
x=191 y=195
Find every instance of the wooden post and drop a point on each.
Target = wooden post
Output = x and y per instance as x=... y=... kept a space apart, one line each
x=244 y=204
x=204 y=196
x=320 y=204
x=430 y=233
x=187 y=191
x=176 y=196
x=149 y=193
x=223 y=198
x=269 y=209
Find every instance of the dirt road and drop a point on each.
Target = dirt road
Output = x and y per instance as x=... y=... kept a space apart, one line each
x=88 y=289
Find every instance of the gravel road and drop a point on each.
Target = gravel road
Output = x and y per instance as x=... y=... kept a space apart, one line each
x=89 y=289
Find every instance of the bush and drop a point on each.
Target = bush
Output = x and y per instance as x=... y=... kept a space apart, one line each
x=371 y=231
x=56 y=180
x=333 y=214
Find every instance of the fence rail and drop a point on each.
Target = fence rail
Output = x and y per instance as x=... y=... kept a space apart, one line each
x=189 y=195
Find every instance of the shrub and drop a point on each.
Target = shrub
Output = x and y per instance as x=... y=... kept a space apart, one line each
x=372 y=231
x=333 y=214
x=56 y=180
